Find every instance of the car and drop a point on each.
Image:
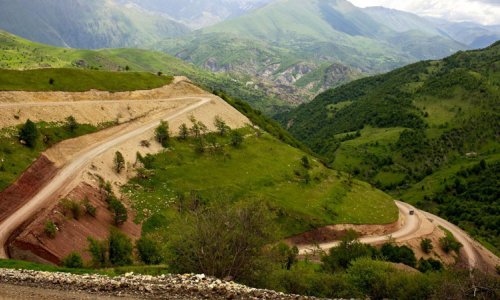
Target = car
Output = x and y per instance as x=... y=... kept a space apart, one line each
x=412 y=212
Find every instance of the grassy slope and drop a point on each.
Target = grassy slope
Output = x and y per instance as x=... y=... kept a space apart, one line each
x=451 y=107
x=17 y=53
x=72 y=80
x=327 y=199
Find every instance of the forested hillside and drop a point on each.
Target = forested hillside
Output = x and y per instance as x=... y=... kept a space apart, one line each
x=412 y=131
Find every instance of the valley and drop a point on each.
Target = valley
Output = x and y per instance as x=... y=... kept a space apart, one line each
x=249 y=149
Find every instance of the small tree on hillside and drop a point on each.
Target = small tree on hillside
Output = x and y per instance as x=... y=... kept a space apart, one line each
x=29 y=134
x=120 y=248
x=183 y=132
x=236 y=138
x=149 y=251
x=98 y=251
x=50 y=229
x=119 y=162
x=305 y=162
x=426 y=245
x=119 y=210
x=162 y=135
x=71 y=124
x=73 y=260
x=221 y=126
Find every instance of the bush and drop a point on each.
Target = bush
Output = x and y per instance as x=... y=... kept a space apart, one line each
x=119 y=210
x=71 y=124
x=397 y=254
x=449 y=243
x=89 y=208
x=120 y=248
x=29 y=134
x=305 y=162
x=222 y=240
x=221 y=126
x=50 y=229
x=98 y=251
x=429 y=265
x=350 y=248
x=149 y=251
x=72 y=207
x=236 y=138
x=162 y=135
x=426 y=245
x=119 y=162
x=183 y=132
x=73 y=260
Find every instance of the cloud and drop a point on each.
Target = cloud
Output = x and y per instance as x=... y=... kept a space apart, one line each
x=486 y=12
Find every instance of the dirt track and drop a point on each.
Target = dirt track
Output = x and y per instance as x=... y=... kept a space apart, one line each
x=418 y=226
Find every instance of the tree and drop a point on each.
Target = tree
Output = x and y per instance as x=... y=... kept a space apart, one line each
x=120 y=248
x=221 y=126
x=398 y=254
x=119 y=162
x=149 y=251
x=119 y=210
x=183 y=132
x=50 y=229
x=236 y=138
x=449 y=243
x=162 y=135
x=350 y=248
x=98 y=251
x=222 y=240
x=29 y=134
x=305 y=162
x=426 y=245
x=73 y=260
x=71 y=124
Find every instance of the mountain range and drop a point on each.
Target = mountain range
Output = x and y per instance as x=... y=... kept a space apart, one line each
x=289 y=49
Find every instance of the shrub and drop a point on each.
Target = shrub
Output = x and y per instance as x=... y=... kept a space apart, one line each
x=89 y=208
x=29 y=134
x=71 y=124
x=183 y=132
x=449 y=243
x=397 y=254
x=350 y=248
x=120 y=248
x=119 y=162
x=426 y=265
x=162 y=135
x=73 y=260
x=236 y=138
x=50 y=229
x=305 y=162
x=149 y=251
x=426 y=245
x=119 y=210
x=222 y=240
x=98 y=251
x=221 y=126
x=72 y=207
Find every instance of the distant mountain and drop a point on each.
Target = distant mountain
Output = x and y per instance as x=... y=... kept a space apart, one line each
x=199 y=13
x=86 y=24
x=305 y=47
x=474 y=35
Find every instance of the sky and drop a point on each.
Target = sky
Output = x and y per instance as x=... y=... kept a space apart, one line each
x=486 y=12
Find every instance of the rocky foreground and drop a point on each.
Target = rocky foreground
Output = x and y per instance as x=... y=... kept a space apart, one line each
x=187 y=286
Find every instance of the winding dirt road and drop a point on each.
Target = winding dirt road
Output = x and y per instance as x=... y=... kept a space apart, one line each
x=477 y=256
x=71 y=170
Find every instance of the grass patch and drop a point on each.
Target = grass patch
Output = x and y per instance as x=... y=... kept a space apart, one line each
x=72 y=80
x=265 y=169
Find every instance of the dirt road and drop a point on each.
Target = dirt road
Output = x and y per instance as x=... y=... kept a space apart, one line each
x=72 y=169
x=414 y=227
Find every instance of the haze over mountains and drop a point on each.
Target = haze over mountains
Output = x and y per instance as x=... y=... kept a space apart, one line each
x=291 y=49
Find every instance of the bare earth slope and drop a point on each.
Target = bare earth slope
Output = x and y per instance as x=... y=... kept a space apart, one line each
x=84 y=159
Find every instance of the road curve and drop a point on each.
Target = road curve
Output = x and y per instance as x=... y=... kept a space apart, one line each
x=411 y=225
x=472 y=250
x=71 y=170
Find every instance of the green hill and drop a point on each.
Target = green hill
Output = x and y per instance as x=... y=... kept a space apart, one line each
x=413 y=130
x=20 y=54
x=88 y=24
x=293 y=43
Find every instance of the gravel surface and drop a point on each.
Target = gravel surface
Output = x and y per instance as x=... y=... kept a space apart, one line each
x=47 y=285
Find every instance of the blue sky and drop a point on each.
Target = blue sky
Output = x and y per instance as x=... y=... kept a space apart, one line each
x=486 y=12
